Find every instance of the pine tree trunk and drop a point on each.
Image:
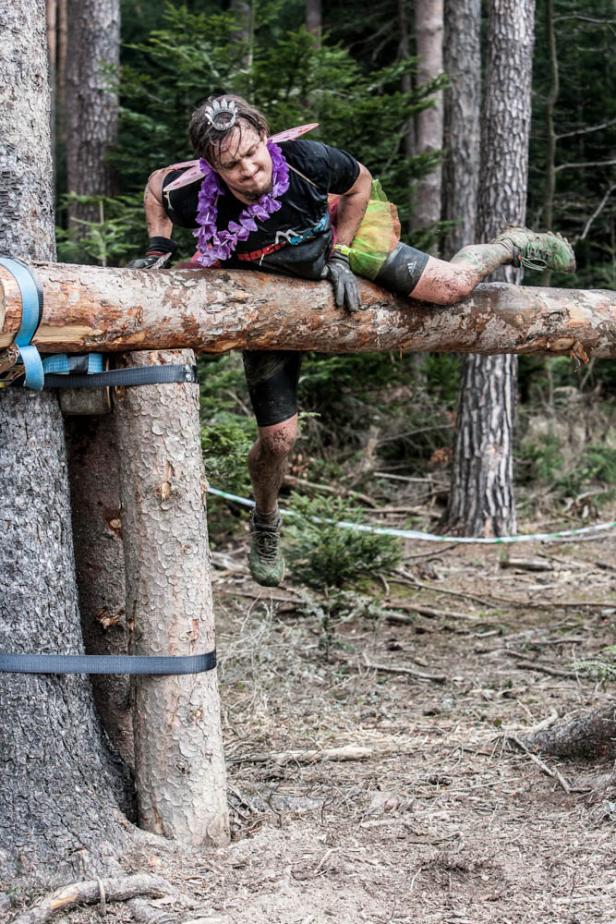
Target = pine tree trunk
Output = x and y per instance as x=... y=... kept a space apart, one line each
x=94 y=475
x=462 y=112
x=91 y=102
x=179 y=763
x=244 y=33
x=429 y=39
x=60 y=784
x=406 y=85
x=91 y=119
x=481 y=499
x=52 y=36
x=314 y=22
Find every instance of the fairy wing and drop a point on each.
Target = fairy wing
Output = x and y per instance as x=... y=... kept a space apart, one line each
x=292 y=133
x=194 y=170
x=189 y=176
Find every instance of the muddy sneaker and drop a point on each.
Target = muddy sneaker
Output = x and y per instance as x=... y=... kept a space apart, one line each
x=265 y=560
x=538 y=250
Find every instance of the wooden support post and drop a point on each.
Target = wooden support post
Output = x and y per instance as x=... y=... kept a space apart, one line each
x=179 y=763
x=90 y=308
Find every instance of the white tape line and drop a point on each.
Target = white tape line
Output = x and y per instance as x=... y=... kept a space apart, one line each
x=429 y=537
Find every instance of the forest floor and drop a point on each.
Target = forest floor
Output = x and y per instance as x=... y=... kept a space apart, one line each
x=362 y=794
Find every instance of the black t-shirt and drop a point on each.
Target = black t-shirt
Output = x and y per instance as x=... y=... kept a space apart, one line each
x=304 y=210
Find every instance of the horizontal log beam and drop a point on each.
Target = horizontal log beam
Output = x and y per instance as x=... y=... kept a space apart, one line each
x=91 y=308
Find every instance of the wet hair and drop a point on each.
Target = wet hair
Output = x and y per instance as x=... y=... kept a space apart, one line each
x=207 y=141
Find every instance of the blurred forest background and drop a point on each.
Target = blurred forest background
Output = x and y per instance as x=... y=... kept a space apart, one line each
x=377 y=429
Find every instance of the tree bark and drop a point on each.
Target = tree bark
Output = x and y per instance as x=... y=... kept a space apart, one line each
x=91 y=109
x=462 y=112
x=550 y=127
x=60 y=785
x=94 y=308
x=91 y=101
x=429 y=123
x=314 y=21
x=92 y=445
x=244 y=33
x=52 y=35
x=406 y=85
x=587 y=736
x=62 y=53
x=481 y=501
x=179 y=763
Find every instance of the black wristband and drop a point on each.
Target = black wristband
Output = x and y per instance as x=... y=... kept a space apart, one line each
x=161 y=245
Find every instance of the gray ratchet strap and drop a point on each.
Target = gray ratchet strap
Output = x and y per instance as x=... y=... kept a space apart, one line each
x=136 y=375
x=152 y=665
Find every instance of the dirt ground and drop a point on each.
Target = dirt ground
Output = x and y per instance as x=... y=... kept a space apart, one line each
x=404 y=800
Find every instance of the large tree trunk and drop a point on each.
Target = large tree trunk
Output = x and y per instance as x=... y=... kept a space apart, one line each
x=179 y=763
x=429 y=123
x=406 y=85
x=91 y=119
x=91 y=102
x=60 y=785
x=462 y=111
x=92 y=308
x=243 y=11
x=314 y=22
x=92 y=445
x=481 y=499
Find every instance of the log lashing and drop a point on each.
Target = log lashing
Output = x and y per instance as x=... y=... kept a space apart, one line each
x=90 y=308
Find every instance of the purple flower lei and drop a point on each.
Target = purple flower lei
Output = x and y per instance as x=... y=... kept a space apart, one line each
x=217 y=245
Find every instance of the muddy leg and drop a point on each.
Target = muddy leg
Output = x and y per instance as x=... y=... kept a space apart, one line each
x=445 y=283
x=267 y=462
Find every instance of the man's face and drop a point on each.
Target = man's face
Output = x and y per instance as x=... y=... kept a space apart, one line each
x=245 y=164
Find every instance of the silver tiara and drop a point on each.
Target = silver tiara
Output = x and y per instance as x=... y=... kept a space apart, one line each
x=222 y=115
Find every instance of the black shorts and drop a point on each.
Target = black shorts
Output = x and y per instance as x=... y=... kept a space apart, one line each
x=402 y=269
x=272 y=378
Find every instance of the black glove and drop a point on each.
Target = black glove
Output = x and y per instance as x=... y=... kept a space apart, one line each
x=159 y=252
x=344 y=281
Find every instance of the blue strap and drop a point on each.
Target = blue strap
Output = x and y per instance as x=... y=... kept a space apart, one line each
x=63 y=364
x=31 y=311
x=153 y=665
x=33 y=366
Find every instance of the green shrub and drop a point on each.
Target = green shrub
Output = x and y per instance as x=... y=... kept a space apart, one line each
x=115 y=238
x=597 y=464
x=539 y=461
x=225 y=443
x=325 y=556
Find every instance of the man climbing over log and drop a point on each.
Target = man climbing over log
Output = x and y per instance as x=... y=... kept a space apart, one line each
x=304 y=209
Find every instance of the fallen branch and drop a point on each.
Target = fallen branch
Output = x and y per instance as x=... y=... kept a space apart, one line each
x=429 y=611
x=496 y=602
x=527 y=564
x=410 y=580
x=523 y=663
x=348 y=752
x=337 y=491
x=549 y=771
x=409 y=671
x=399 y=619
x=93 y=891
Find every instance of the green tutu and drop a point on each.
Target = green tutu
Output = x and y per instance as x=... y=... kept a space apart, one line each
x=377 y=235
